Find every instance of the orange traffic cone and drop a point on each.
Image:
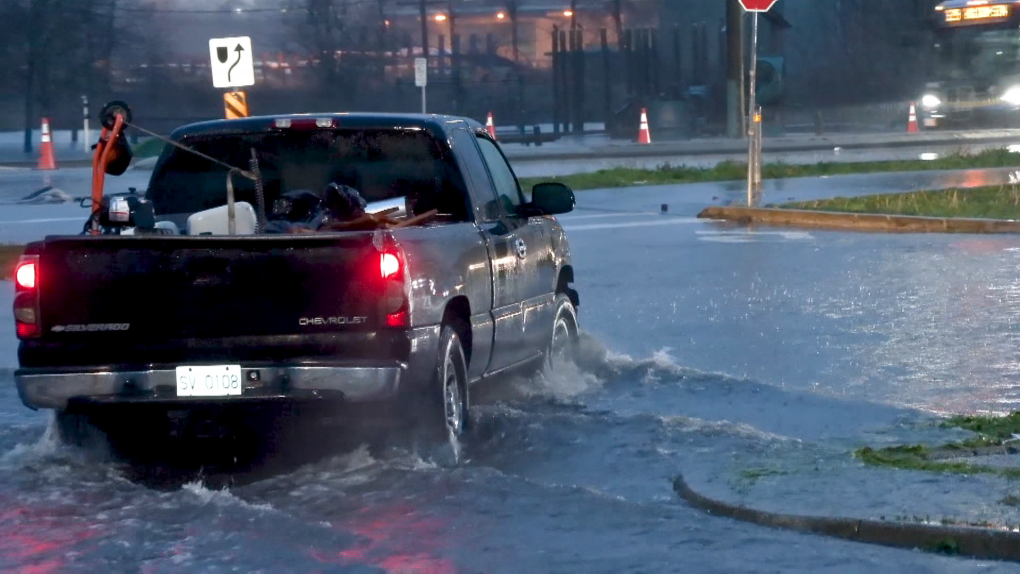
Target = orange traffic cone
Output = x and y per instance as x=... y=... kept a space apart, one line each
x=46 y=159
x=490 y=126
x=644 y=135
x=912 y=127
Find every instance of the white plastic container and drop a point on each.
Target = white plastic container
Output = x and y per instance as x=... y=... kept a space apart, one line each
x=214 y=221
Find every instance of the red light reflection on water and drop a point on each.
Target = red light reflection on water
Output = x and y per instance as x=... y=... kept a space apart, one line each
x=394 y=539
x=38 y=540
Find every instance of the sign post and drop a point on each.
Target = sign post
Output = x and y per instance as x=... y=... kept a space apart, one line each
x=85 y=115
x=755 y=7
x=421 y=78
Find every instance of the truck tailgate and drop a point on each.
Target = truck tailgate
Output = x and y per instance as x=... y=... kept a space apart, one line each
x=144 y=289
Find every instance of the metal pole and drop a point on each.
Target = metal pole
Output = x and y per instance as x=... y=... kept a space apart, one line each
x=85 y=115
x=755 y=126
x=423 y=14
x=735 y=69
x=423 y=99
x=758 y=132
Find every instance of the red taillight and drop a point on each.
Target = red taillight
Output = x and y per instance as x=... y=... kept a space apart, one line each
x=25 y=275
x=389 y=265
x=27 y=330
x=26 y=298
x=399 y=319
x=393 y=303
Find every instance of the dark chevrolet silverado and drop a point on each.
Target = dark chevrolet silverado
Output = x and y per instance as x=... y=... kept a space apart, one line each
x=475 y=282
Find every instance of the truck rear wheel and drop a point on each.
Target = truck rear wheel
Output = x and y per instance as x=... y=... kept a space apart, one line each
x=80 y=429
x=446 y=400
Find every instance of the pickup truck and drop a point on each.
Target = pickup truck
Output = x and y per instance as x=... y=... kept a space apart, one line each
x=456 y=278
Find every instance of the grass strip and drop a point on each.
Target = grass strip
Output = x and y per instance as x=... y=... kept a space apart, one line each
x=992 y=202
x=9 y=255
x=730 y=170
x=150 y=147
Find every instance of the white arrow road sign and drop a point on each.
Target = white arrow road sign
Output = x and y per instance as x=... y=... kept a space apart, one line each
x=421 y=72
x=232 y=63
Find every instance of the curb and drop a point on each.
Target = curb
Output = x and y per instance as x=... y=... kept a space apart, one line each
x=60 y=163
x=971 y=542
x=859 y=221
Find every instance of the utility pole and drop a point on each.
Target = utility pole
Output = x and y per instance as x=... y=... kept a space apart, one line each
x=735 y=108
x=423 y=12
x=573 y=15
x=618 y=21
x=511 y=9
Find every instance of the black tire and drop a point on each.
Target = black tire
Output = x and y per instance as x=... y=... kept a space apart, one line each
x=565 y=338
x=446 y=398
x=80 y=429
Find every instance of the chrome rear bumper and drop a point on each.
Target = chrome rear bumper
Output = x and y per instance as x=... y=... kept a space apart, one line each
x=47 y=389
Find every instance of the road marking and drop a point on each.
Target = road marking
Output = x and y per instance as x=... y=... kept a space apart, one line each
x=604 y=215
x=52 y=220
x=670 y=221
x=751 y=236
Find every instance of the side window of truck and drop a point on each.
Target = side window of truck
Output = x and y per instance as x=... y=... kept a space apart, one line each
x=502 y=176
x=481 y=188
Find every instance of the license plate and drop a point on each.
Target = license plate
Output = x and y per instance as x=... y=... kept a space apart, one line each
x=209 y=381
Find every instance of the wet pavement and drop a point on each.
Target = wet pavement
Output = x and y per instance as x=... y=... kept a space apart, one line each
x=753 y=361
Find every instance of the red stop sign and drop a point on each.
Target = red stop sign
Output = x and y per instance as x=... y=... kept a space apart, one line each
x=758 y=5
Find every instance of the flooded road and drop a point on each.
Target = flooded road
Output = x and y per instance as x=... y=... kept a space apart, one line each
x=752 y=361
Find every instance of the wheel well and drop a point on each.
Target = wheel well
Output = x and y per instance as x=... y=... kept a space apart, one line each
x=458 y=316
x=563 y=284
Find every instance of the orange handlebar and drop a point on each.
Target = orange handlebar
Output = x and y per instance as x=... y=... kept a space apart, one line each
x=99 y=162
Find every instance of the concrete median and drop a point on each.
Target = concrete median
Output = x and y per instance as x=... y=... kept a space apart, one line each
x=968 y=541
x=858 y=221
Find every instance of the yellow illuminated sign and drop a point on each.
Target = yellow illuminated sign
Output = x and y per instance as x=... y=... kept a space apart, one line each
x=977 y=13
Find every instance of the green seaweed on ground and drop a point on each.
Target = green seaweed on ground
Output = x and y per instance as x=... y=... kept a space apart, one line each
x=998 y=428
x=761 y=472
x=947 y=545
x=990 y=432
x=1010 y=500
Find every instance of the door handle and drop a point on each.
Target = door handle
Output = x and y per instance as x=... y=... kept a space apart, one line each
x=521 y=248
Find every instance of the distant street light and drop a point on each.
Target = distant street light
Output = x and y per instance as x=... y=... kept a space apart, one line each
x=568 y=13
x=440 y=17
x=500 y=15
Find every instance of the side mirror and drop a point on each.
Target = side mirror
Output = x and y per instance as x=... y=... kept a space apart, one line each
x=552 y=198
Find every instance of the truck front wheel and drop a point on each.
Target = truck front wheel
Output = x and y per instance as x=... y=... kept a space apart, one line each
x=564 y=342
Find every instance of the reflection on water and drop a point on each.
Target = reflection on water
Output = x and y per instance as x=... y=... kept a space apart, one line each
x=944 y=325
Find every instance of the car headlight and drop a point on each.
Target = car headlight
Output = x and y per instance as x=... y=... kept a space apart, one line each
x=930 y=102
x=1012 y=96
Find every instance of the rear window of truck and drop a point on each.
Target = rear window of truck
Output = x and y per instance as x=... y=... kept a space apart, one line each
x=380 y=164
